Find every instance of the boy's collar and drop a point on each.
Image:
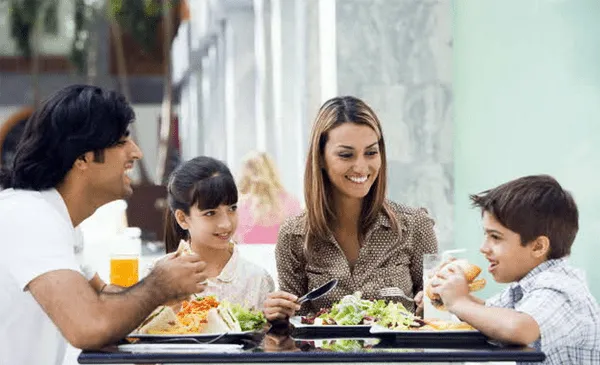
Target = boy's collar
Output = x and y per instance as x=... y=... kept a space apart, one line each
x=528 y=279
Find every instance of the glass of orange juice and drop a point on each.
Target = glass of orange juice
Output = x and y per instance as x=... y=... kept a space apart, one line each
x=124 y=269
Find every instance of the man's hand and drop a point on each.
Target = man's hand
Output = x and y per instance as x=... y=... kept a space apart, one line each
x=178 y=277
x=89 y=319
x=451 y=285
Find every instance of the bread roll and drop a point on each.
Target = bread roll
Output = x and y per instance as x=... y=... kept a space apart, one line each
x=471 y=272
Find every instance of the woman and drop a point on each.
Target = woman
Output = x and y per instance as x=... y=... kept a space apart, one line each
x=349 y=231
x=264 y=203
x=203 y=202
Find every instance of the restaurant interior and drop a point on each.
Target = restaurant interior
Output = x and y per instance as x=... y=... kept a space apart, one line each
x=470 y=94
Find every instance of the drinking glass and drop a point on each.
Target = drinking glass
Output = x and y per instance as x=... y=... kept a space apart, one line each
x=124 y=269
x=430 y=263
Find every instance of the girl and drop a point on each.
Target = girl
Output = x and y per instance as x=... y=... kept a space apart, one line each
x=350 y=231
x=264 y=203
x=203 y=200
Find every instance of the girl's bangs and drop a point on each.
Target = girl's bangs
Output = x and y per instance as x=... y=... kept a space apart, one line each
x=214 y=191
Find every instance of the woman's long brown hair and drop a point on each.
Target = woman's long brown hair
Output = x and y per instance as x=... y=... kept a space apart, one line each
x=317 y=187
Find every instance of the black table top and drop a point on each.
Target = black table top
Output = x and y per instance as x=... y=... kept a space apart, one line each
x=297 y=347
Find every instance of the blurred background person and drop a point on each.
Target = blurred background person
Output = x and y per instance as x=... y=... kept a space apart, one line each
x=264 y=202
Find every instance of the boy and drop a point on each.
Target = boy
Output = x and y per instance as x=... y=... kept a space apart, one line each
x=530 y=224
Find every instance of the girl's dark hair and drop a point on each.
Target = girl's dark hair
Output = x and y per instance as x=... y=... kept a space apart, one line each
x=71 y=122
x=204 y=182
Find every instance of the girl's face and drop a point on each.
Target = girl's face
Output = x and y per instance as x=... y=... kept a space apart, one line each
x=351 y=159
x=209 y=228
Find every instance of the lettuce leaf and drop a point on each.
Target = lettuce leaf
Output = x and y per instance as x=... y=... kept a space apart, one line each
x=249 y=319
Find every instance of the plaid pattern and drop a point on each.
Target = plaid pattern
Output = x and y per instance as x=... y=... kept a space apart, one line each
x=557 y=297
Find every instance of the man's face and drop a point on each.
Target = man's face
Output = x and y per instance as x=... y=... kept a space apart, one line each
x=110 y=179
x=509 y=260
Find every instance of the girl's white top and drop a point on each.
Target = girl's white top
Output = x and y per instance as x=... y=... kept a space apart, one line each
x=241 y=282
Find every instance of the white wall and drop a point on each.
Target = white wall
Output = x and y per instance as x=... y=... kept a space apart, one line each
x=7 y=111
x=527 y=85
x=147 y=128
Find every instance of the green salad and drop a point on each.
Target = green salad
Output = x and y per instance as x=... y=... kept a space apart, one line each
x=351 y=310
x=249 y=319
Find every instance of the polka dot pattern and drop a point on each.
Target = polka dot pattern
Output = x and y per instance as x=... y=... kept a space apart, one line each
x=386 y=259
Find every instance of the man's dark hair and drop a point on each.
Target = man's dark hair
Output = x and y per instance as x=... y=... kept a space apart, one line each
x=71 y=122
x=534 y=206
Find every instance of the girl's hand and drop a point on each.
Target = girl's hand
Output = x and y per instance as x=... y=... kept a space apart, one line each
x=280 y=305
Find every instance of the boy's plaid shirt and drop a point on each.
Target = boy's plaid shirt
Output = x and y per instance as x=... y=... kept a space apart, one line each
x=557 y=297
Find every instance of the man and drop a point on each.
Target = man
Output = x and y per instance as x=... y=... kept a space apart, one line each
x=74 y=156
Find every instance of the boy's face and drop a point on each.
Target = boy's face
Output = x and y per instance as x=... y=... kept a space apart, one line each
x=509 y=260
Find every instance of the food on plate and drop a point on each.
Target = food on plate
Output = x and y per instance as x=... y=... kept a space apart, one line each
x=202 y=315
x=193 y=313
x=441 y=325
x=471 y=272
x=163 y=319
x=221 y=320
x=351 y=310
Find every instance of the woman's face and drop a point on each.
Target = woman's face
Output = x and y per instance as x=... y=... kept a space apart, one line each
x=210 y=227
x=351 y=159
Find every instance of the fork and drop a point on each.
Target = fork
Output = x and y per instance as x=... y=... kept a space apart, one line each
x=394 y=292
x=191 y=339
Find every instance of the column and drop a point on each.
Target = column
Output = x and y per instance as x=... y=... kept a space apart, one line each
x=240 y=85
x=397 y=56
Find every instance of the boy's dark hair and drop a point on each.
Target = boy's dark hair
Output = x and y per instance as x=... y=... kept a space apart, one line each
x=71 y=122
x=534 y=206
x=204 y=182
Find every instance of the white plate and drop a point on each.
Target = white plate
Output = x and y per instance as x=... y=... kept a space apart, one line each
x=192 y=335
x=296 y=321
x=179 y=348
x=380 y=329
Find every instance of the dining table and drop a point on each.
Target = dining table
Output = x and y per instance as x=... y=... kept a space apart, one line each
x=286 y=344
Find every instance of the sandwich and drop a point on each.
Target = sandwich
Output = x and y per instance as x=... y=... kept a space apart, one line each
x=221 y=320
x=471 y=272
x=162 y=320
x=184 y=249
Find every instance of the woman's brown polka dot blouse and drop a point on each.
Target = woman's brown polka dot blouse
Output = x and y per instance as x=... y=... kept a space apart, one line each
x=386 y=259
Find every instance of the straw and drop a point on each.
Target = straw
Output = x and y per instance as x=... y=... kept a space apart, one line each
x=448 y=253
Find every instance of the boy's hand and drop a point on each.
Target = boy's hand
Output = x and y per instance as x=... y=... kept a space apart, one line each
x=419 y=303
x=451 y=285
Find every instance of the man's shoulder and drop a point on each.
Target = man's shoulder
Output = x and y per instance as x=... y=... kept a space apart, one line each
x=12 y=201
x=26 y=209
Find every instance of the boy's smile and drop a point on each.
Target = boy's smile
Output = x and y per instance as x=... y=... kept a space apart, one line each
x=509 y=260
